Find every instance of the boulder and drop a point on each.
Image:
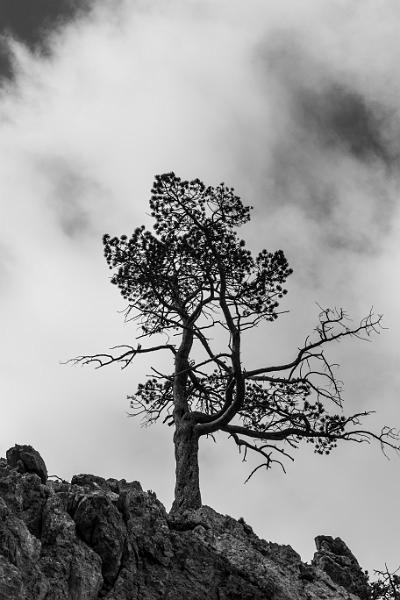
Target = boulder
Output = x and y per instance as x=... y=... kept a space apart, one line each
x=101 y=526
x=27 y=460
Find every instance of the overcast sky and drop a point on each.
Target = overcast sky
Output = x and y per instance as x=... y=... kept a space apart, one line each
x=295 y=105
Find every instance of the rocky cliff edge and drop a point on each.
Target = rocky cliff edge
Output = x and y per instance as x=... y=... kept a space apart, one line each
x=103 y=538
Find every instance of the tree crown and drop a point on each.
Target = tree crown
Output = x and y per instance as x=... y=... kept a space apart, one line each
x=194 y=257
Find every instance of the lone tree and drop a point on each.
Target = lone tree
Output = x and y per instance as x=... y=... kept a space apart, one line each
x=192 y=276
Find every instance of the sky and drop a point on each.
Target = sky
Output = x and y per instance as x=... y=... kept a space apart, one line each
x=294 y=105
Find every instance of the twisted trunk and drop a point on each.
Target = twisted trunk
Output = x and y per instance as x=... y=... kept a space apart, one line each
x=187 y=484
x=186 y=438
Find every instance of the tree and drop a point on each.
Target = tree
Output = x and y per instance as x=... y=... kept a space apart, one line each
x=192 y=276
x=386 y=586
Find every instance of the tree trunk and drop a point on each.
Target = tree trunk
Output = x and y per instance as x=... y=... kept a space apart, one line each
x=187 y=485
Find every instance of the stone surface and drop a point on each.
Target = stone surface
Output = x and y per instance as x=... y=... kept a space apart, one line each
x=27 y=460
x=95 y=538
x=335 y=558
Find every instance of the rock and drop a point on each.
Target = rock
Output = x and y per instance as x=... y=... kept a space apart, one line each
x=70 y=567
x=91 y=481
x=20 y=576
x=26 y=496
x=27 y=460
x=334 y=558
x=307 y=572
x=97 y=538
x=100 y=524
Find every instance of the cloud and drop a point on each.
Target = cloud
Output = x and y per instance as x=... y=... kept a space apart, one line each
x=31 y=23
x=331 y=103
x=71 y=195
x=288 y=118
x=342 y=118
x=334 y=152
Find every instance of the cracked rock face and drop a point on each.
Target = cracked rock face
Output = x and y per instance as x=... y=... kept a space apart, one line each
x=335 y=558
x=95 y=538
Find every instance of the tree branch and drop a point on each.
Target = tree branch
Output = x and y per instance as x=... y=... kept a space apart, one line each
x=125 y=358
x=328 y=318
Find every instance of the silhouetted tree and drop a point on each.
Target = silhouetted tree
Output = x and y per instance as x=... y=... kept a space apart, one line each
x=386 y=586
x=192 y=276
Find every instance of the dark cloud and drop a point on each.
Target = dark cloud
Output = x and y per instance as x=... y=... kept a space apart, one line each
x=73 y=218
x=31 y=22
x=335 y=154
x=341 y=117
x=70 y=195
x=330 y=104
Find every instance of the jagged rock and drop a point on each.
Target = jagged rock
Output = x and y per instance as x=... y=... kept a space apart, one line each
x=27 y=460
x=19 y=553
x=26 y=496
x=95 y=538
x=100 y=524
x=335 y=558
x=71 y=567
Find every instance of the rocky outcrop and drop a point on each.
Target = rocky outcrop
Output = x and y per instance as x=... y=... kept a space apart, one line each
x=27 y=460
x=335 y=558
x=95 y=538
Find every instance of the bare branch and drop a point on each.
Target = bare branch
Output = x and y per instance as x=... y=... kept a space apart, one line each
x=104 y=359
x=328 y=319
x=265 y=450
